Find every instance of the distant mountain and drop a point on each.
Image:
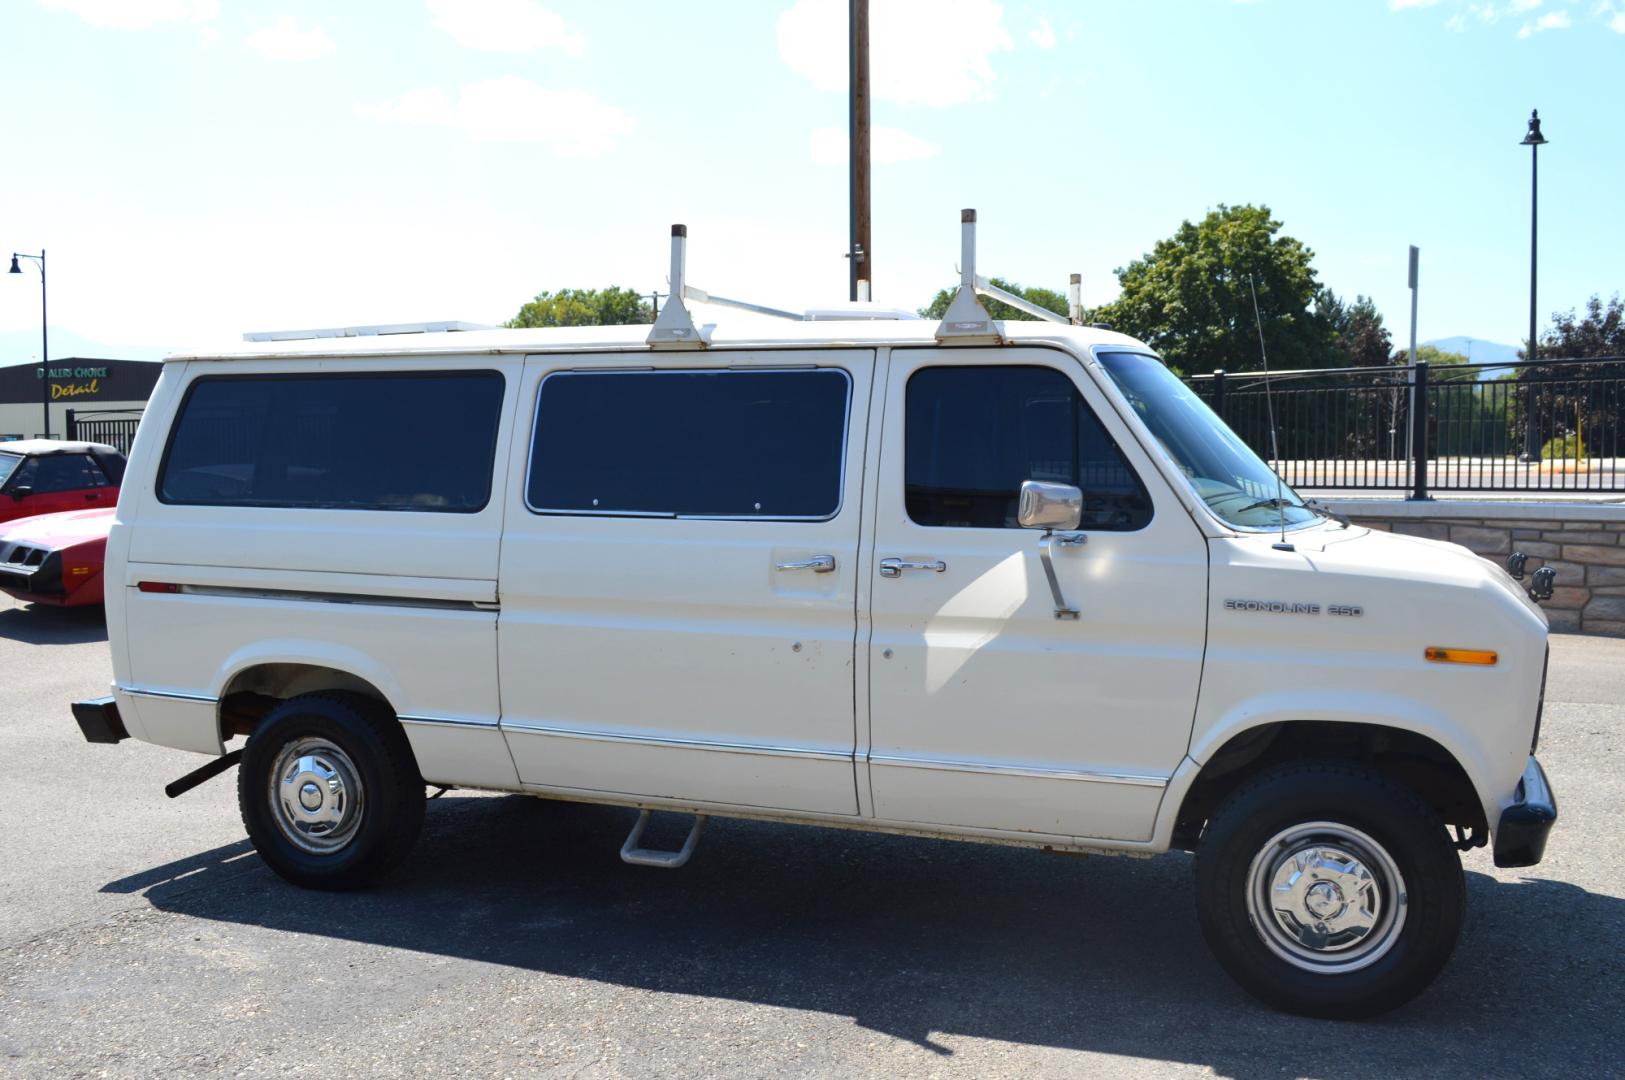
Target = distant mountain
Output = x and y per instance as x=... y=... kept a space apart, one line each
x=1479 y=351
x=23 y=347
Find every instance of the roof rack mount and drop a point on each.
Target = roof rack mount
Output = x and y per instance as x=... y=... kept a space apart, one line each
x=967 y=320
x=675 y=328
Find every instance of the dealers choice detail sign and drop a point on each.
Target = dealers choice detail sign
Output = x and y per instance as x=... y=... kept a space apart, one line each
x=74 y=382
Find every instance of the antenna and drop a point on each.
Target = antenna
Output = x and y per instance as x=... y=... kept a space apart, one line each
x=1269 y=409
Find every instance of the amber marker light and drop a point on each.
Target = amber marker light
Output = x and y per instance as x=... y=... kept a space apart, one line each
x=1480 y=657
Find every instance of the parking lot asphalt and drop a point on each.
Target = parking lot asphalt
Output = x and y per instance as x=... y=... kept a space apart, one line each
x=141 y=936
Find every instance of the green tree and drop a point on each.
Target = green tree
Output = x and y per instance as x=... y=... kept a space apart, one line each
x=1442 y=365
x=1357 y=334
x=998 y=309
x=1599 y=332
x=1579 y=400
x=1189 y=297
x=613 y=306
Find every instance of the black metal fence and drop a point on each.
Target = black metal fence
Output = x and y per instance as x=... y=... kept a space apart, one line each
x=115 y=427
x=1555 y=425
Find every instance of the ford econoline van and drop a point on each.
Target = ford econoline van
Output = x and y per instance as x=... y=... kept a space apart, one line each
x=1010 y=582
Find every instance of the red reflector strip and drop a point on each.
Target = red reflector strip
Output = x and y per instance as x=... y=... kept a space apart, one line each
x=158 y=586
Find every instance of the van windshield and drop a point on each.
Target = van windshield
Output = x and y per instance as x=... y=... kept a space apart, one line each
x=8 y=465
x=1233 y=481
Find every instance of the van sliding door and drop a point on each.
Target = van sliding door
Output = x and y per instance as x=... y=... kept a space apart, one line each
x=679 y=575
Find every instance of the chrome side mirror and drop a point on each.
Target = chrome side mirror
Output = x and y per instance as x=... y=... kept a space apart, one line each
x=1049 y=506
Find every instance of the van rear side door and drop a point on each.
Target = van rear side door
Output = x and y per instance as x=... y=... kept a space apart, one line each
x=339 y=514
x=679 y=578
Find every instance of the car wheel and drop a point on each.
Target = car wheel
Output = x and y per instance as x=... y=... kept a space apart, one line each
x=1328 y=890
x=329 y=791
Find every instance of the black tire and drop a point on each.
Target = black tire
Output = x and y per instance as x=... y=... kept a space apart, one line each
x=1288 y=804
x=350 y=739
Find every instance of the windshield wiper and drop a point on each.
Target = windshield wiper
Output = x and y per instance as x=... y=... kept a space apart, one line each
x=1320 y=508
x=1272 y=504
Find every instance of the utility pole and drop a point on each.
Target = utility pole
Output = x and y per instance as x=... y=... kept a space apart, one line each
x=859 y=252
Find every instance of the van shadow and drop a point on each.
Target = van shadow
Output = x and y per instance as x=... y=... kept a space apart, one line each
x=918 y=939
x=44 y=624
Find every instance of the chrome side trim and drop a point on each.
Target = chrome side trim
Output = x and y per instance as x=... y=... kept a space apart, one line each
x=353 y=599
x=1133 y=779
x=204 y=699
x=447 y=721
x=760 y=749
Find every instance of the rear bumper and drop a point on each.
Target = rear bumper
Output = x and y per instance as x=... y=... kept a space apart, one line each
x=99 y=720
x=1520 y=838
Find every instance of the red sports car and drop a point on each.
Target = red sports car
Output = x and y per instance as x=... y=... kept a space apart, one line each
x=38 y=476
x=55 y=558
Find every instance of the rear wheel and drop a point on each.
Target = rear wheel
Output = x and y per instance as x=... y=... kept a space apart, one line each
x=1329 y=890
x=329 y=791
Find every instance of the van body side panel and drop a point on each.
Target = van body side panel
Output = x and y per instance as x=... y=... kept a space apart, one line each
x=135 y=494
x=668 y=656
x=987 y=709
x=1360 y=608
x=396 y=599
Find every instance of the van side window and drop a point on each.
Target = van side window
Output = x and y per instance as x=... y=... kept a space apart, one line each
x=973 y=434
x=423 y=442
x=730 y=444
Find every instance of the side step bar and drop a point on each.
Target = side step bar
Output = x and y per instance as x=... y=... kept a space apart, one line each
x=666 y=860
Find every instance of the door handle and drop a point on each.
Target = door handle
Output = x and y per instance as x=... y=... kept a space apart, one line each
x=895 y=567
x=818 y=564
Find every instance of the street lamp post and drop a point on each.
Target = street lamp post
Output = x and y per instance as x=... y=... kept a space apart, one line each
x=1531 y=429
x=44 y=335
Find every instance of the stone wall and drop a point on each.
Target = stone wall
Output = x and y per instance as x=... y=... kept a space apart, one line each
x=1583 y=542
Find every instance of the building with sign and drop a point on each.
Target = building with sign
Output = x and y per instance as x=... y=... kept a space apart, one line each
x=97 y=392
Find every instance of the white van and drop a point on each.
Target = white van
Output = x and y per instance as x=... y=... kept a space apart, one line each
x=1009 y=582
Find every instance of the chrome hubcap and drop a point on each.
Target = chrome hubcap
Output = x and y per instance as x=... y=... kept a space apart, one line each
x=1326 y=897
x=316 y=795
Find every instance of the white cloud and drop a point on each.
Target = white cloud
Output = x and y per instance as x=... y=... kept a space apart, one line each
x=571 y=123
x=1456 y=23
x=887 y=146
x=921 y=52
x=1552 y=20
x=1617 y=23
x=287 y=40
x=1043 y=35
x=137 y=14
x=512 y=26
x=1518 y=6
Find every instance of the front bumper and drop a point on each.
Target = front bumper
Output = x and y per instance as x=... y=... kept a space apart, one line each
x=1520 y=838
x=99 y=720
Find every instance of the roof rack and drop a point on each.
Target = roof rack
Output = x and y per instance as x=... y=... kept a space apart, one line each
x=966 y=321
x=365 y=331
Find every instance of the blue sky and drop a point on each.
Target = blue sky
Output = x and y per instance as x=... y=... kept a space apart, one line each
x=198 y=168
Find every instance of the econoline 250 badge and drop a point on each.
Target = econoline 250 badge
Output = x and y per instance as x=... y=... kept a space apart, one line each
x=1284 y=607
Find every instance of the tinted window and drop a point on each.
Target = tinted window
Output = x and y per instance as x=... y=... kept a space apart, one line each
x=973 y=434
x=343 y=442
x=8 y=462
x=762 y=444
x=46 y=473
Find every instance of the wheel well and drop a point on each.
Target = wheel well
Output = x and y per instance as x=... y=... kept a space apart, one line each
x=255 y=691
x=1411 y=759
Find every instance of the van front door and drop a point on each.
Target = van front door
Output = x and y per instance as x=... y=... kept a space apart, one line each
x=679 y=576
x=987 y=708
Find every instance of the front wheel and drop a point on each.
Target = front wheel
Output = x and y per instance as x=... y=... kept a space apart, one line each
x=1329 y=890
x=329 y=791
